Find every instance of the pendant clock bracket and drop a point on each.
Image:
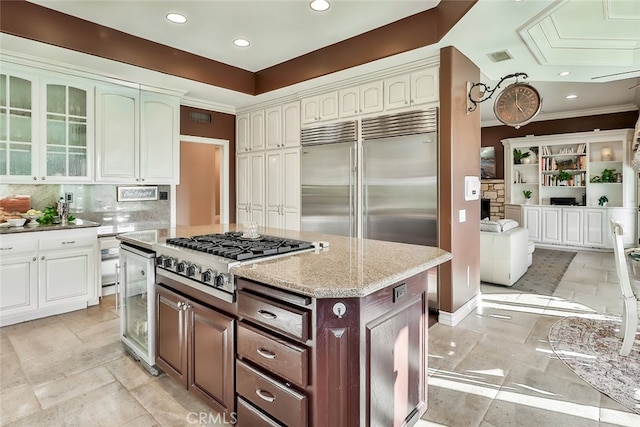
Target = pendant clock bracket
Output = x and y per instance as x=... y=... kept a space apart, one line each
x=485 y=91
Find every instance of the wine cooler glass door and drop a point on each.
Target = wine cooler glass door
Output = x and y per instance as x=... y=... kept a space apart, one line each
x=136 y=298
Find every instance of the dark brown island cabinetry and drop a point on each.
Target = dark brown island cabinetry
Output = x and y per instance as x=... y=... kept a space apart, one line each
x=357 y=361
x=196 y=347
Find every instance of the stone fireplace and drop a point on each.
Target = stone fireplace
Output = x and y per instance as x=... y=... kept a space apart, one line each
x=493 y=191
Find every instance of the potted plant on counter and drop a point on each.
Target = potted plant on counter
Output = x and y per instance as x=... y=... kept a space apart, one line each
x=527 y=196
x=603 y=200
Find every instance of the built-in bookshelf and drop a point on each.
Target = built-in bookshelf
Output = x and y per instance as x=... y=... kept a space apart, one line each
x=583 y=166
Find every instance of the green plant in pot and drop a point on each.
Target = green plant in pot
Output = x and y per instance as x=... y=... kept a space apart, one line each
x=564 y=176
x=527 y=196
x=603 y=200
x=607 y=175
x=518 y=155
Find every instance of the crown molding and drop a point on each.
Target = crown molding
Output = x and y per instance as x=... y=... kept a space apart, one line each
x=570 y=114
x=37 y=63
x=207 y=105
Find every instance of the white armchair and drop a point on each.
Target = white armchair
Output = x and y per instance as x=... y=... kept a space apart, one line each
x=504 y=255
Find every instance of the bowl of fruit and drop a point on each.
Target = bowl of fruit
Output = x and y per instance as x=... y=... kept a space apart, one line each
x=32 y=214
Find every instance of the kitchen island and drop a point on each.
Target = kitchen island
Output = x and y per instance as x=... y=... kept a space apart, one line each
x=334 y=336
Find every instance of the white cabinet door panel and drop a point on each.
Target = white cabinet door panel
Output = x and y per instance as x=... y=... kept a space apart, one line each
x=291 y=124
x=273 y=127
x=349 y=102
x=65 y=277
x=371 y=97
x=424 y=86
x=551 y=225
x=256 y=130
x=572 y=227
x=18 y=285
x=595 y=235
x=242 y=133
x=396 y=91
x=532 y=221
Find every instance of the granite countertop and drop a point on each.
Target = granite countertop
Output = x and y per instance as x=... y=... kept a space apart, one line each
x=349 y=267
x=107 y=229
x=78 y=223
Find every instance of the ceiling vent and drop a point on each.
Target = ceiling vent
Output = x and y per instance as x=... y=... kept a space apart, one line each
x=200 y=117
x=499 y=56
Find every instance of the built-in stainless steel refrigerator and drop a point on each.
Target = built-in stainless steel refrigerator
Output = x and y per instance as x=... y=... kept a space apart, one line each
x=393 y=198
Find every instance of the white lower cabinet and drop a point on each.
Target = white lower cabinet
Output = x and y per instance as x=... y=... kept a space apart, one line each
x=532 y=221
x=250 y=187
x=551 y=225
x=574 y=226
x=595 y=235
x=47 y=273
x=283 y=188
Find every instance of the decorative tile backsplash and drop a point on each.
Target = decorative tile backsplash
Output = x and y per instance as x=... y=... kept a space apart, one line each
x=95 y=202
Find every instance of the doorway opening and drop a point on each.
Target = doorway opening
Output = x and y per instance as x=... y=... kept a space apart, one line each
x=202 y=197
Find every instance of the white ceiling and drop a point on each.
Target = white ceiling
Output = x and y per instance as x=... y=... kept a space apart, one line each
x=589 y=38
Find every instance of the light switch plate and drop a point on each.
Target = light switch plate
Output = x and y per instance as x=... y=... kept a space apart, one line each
x=462 y=215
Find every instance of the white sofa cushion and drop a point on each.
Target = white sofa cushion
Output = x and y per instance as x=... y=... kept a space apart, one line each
x=498 y=226
x=504 y=256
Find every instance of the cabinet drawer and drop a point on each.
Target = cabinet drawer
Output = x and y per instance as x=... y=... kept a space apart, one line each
x=283 y=403
x=68 y=241
x=278 y=356
x=10 y=247
x=250 y=416
x=288 y=320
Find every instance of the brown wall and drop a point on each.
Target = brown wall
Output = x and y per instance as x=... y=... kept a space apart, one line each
x=459 y=156
x=222 y=126
x=198 y=195
x=491 y=136
x=34 y=22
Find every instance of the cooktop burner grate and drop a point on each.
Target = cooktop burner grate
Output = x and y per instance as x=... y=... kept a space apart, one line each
x=233 y=246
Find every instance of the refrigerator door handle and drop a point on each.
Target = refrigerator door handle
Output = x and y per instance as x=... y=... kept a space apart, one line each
x=352 y=198
x=365 y=193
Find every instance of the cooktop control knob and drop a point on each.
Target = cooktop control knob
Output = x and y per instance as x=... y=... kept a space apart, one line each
x=170 y=262
x=181 y=267
x=208 y=276
x=193 y=270
x=221 y=280
x=160 y=260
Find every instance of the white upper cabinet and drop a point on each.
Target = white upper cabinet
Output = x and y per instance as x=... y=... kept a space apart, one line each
x=283 y=189
x=291 y=124
x=363 y=99
x=273 y=127
x=46 y=128
x=159 y=139
x=282 y=126
x=117 y=134
x=137 y=136
x=319 y=108
x=406 y=90
x=256 y=133
x=18 y=158
x=242 y=133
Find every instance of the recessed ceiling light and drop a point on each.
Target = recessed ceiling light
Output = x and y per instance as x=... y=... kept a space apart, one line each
x=177 y=18
x=564 y=73
x=572 y=96
x=241 y=42
x=319 y=5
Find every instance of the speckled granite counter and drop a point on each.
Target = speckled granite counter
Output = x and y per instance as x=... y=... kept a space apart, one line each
x=78 y=223
x=107 y=229
x=348 y=268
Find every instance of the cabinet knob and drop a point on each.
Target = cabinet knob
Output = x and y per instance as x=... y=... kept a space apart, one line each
x=35 y=178
x=142 y=179
x=356 y=111
x=43 y=178
x=406 y=102
x=35 y=258
x=42 y=257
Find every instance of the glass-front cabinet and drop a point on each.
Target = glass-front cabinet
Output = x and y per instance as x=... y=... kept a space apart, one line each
x=46 y=128
x=17 y=127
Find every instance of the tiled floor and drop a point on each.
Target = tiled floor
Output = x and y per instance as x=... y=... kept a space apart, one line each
x=494 y=369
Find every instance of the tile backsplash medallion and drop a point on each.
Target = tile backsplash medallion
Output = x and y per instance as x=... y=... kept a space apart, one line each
x=96 y=202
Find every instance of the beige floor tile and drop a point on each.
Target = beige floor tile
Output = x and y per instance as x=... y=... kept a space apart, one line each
x=521 y=411
x=107 y=406
x=17 y=402
x=500 y=329
x=82 y=319
x=130 y=373
x=32 y=325
x=102 y=333
x=158 y=402
x=55 y=392
x=11 y=371
x=52 y=366
x=142 y=421
x=448 y=346
x=34 y=343
x=5 y=344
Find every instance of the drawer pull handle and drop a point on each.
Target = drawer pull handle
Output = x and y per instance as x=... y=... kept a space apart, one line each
x=70 y=242
x=7 y=248
x=266 y=353
x=265 y=395
x=267 y=314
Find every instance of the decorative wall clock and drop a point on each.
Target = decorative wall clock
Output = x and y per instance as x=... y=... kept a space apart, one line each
x=518 y=104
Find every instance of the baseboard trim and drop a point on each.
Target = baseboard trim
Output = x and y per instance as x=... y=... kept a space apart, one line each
x=452 y=319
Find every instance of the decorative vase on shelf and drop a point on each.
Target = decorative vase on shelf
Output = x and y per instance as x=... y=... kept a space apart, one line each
x=527 y=201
